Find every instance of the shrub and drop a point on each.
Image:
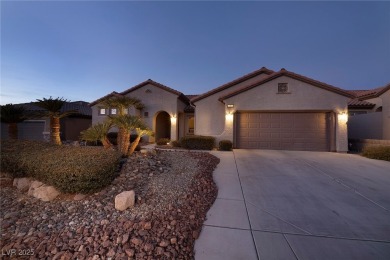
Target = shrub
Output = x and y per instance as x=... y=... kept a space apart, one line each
x=225 y=145
x=377 y=152
x=198 y=142
x=162 y=141
x=175 y=143
x=68 y=168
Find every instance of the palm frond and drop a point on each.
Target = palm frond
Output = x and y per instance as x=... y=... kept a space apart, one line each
x=12 y=114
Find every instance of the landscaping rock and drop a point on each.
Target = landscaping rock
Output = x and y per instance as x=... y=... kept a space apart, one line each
x=45 y=193
x=22 y=184
x=125 y=200
x=174 y=204
x=79 y=197
x=33 y=186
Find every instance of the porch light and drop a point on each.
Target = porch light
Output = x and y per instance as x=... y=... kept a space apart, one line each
x=230 y=108
x=343 y=117
x=229 y=117
x=173 y=119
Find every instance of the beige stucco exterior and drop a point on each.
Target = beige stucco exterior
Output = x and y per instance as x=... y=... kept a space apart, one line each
x=301 y=97
x=210 y=112
x=155 y=100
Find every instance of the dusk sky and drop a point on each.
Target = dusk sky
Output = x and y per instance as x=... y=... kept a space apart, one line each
x=85 y=50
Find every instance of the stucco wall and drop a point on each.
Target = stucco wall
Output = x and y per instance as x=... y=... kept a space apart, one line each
x=386 y=114
x=210 y=112
x=155 y=101
x=302 y=97
x=365 y=126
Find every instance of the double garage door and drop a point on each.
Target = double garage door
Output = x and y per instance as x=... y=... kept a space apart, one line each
x=282 y=131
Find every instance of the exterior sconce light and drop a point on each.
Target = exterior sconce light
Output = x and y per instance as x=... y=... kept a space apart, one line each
x=343 y=117
x=229 y=113
x=173 y=119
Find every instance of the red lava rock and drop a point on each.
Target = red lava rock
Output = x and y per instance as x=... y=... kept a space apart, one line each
x=159 y=250
x=136 y=241
x=125 y=238
x=173 y=240
x=148 y=225
x=130 y=252
x=164 y=243
x=148 y=247
x=195 y=234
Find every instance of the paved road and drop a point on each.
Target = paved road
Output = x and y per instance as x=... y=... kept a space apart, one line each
x=298 y=205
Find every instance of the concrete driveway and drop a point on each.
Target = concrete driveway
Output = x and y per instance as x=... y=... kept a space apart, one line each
x=298 y=205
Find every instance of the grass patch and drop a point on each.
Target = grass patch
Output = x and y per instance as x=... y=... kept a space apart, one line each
x=68 y=168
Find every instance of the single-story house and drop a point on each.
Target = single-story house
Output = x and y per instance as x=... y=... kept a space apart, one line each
x=370 y=114
x=263 y=109
x=39 y=129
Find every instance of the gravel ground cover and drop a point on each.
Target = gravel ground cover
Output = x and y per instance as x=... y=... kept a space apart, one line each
x=174 y=191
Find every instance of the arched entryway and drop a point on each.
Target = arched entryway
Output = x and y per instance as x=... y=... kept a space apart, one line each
x=163 y=125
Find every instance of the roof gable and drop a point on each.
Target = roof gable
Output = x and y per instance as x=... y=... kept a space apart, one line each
x=180 y=95
x=284 y=72
x=255 y=73
x=375 y=92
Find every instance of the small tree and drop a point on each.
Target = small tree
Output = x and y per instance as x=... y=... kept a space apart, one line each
x=12 y=115
x=98 y=132
x=53 y=111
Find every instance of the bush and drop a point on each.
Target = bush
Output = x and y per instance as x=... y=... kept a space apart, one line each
x=225 y=145
x=377 y=152
x=175 y=143
x=162 y=141
x=198 y=142
x=68 y=168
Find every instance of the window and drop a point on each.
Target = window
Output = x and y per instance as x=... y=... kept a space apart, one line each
x=114 y=111
x=146 y=114
x=282 y=88
x=102 y=111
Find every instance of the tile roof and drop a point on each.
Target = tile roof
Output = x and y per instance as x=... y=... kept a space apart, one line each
x=234 y=82
x=182 y=97
x=81 y=106
x=356 y=103
x=284 y=72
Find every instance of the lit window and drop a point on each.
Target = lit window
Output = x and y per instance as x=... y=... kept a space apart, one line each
x=102 y=111
x=282 y=88
x=114 y=111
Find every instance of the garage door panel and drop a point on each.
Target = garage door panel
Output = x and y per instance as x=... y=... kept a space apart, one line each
x=285 y=131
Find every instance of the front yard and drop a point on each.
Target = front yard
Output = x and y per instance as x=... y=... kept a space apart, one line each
x=174 y=190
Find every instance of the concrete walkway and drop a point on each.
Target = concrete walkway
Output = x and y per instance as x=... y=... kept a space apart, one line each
x=297 y=205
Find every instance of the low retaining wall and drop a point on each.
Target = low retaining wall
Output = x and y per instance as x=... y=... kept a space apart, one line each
x=357 y=145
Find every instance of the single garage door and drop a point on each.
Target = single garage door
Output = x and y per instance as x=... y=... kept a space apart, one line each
x=31 y=130
x=282 y=131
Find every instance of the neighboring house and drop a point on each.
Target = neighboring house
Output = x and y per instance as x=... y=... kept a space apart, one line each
x=39 y=129
x=263 y=109
x=370 y=114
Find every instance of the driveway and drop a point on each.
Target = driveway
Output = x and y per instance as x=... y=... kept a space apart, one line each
x=298 y=205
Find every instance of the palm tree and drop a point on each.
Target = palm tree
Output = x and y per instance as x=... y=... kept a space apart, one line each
x=122 y=120
x=12 y=115
x=125 y=124
x=122 y=103
x=98 y=132
x=53 y=110
x=141 y=130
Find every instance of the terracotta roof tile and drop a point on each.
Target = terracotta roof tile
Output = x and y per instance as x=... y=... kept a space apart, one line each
x=284 y=72
x=356 y=103
x=232 y=83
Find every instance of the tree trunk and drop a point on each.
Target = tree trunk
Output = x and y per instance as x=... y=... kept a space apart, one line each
x=13 y=131
x=134 y=145
x=55 y=130
x=106 y=143
x=124 y=140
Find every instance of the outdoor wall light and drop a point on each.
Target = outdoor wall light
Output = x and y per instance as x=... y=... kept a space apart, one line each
x=173 y=119
x=229 y=117
x=230 y=108
x=343 y=116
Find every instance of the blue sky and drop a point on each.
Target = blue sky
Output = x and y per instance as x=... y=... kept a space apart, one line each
x=85 y=50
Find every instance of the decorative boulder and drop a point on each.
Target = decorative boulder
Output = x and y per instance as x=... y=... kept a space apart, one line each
x=34 y=185
x=124 y=200
x=46 y=193
x=22 y=184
